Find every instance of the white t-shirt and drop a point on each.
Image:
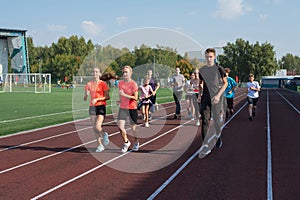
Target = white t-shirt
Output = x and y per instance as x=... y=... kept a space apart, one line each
x=253 y=93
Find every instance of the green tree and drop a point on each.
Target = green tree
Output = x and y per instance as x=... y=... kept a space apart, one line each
x=291 y=63
x=244 y=58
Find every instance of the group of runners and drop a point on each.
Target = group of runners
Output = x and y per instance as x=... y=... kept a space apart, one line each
x=212 y=93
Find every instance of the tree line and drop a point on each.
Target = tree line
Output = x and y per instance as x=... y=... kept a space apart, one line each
x=75 y=56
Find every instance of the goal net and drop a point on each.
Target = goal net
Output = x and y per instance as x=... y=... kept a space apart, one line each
x=35 y=82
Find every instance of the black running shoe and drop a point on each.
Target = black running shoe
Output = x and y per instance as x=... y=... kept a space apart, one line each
x=219 y=143
x=250 y=118
x=253 y=113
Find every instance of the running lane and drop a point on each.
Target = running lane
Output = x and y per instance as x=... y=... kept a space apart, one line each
x=285 y=129
x=236 y=171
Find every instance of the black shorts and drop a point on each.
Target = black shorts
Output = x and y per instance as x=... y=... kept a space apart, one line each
x=97 y=110
x=131 y=113
x=229 y=103
x=252 y=101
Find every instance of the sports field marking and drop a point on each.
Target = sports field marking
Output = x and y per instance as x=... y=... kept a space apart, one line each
x=269 y=168
x=173 y=176
x=107 y=162
x=38 y=116
x=66 y=150
x=288 y=102
x=51 y=137
x=52 y=114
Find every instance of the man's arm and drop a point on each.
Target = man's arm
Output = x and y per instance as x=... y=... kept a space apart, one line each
x=216 y=98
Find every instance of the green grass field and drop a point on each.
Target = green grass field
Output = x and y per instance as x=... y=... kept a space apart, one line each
x=27 y=111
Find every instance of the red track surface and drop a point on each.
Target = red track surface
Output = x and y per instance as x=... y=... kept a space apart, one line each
x=239 y=170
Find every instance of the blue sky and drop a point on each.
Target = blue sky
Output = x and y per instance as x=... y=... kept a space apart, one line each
x=210 y=23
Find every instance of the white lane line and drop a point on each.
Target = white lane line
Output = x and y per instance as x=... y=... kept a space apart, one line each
x=173 y=176
x=52 y=114
x=105 y=163
x=43 y=158
x=66 y=150
x=269 y=168
x=288 y=102
x=48 y=138
x=227 y=122
x=37 y=116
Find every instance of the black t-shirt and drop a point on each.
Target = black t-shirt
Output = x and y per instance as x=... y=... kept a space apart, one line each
x=153 y=82
x=213 y=81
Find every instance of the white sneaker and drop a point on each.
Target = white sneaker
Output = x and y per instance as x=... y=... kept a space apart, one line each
x=125 y=146
x=100 y=148
x=147 y=124
x=198 y=123
x=136 y=146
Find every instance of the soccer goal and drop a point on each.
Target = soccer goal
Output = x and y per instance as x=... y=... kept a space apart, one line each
x=35 y=82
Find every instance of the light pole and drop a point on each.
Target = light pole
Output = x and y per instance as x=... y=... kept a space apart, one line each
x=154 y=67
x=95 y=57
x=40 y=66
x=218 y=52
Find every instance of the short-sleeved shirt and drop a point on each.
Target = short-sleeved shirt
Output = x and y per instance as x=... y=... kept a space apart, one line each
x=231 y=84
x=153 y=82
x=145 y=91
x=97 y=90
x=213 y=81
x=189 y=88
x=129 y=88
x=253 y=93
x=179 y=80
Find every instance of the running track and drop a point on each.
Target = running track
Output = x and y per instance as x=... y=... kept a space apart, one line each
x=258 y=160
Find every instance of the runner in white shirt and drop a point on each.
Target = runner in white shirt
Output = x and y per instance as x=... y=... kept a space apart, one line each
x=253 y=95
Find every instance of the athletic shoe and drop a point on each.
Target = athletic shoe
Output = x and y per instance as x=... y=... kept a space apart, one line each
x=147 y=124
x=219 y=143
x=253 y=113
x=100 y=148
x=136 y=146
x=192 y=118
x=105 y=139
x=250 y=118
x=125 y=146
x=204 y=151
x=198 y=123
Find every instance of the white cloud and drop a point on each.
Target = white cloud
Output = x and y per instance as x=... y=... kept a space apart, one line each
x=56 y=28
x=122 y=20
x=231 y=9
x=91 y=28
